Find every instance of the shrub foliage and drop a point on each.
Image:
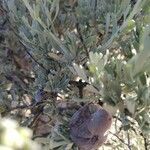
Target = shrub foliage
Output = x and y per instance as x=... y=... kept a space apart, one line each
x=57 y=55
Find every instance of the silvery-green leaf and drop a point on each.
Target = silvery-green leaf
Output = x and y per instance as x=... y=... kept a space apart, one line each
x=107 y=23
x=80 y=72
x=131 y=106
x=55 y=144
x=32 y=13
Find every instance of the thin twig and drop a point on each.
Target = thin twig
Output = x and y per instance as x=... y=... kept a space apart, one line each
x=95 y=8
x=128 y=137
x=32 y=57
x=80 y=36
x=118 y=138
x=34 y=104
x=99 y=34
x=145 y=141
x=95 y=18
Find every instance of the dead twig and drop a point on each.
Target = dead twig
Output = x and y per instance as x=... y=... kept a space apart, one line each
x=145 y=141
x=118 y=138
x=81 y=37
x=128 y=137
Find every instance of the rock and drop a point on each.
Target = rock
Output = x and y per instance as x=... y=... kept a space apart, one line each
x=88 y=126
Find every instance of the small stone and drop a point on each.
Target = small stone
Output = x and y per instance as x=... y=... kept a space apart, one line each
x=88 y=126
